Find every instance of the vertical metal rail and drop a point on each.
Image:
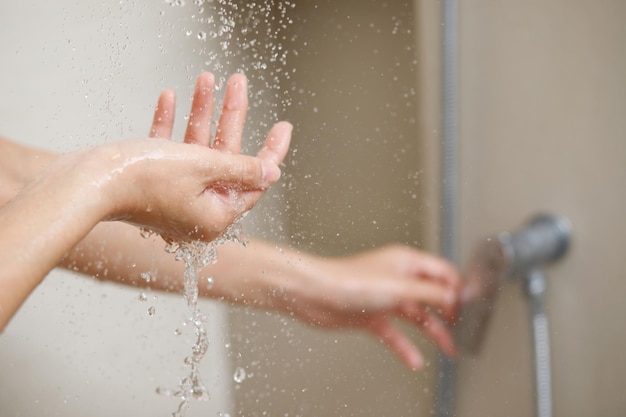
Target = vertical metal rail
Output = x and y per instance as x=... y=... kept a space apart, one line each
x=449 y=193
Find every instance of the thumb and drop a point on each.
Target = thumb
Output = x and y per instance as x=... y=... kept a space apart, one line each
x=244 y=172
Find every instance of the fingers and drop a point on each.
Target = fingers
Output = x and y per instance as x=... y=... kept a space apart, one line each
x=433 y=267
x=398 y=342
x=434 y=328
x=277 y=143
x=443 y=299
x=163 y=121
x=230 y=127
x=401 y=344
x=199 y=124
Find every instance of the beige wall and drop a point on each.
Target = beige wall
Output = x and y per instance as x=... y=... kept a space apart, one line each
x=354 y=182
x=542 y=92
x=543 y=95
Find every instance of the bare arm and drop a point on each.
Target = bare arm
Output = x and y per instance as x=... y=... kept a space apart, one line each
x=364 y=291
x=182 y=191
x=38 y=226
x=367 y=290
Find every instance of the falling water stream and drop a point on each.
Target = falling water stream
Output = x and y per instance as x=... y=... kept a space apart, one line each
x=196 y=255
x=229 y=36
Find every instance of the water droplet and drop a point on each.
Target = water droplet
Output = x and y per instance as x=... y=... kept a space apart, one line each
x=151 y=311
x=209 y=283
x=202 y=35
x=143 y=296
x=147 y=276
x=178 y=332
x=240 y=375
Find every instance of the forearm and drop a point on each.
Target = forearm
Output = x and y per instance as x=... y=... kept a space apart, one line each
x=184 y=191
x=39 y=226
x=261 y=274
x=266 y=275
x=19 y=164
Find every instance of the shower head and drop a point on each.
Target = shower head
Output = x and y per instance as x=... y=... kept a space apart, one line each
x=545 y=239
x=506 y=256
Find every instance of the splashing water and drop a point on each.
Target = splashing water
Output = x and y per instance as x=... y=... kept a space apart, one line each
x=197 y=255
x=231 y=36
x=250 y=37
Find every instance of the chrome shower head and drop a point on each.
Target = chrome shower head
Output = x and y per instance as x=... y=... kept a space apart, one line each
x=497 y=259
x=545 y=239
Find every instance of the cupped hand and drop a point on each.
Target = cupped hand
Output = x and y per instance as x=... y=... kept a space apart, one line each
x=370 y=289
x=195 y=190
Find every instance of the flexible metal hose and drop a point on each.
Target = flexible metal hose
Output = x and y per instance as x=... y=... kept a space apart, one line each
x=535 y=287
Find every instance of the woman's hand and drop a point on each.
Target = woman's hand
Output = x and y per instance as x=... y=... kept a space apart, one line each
x=368 y=291
x=182 y=190
x=196 y=189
